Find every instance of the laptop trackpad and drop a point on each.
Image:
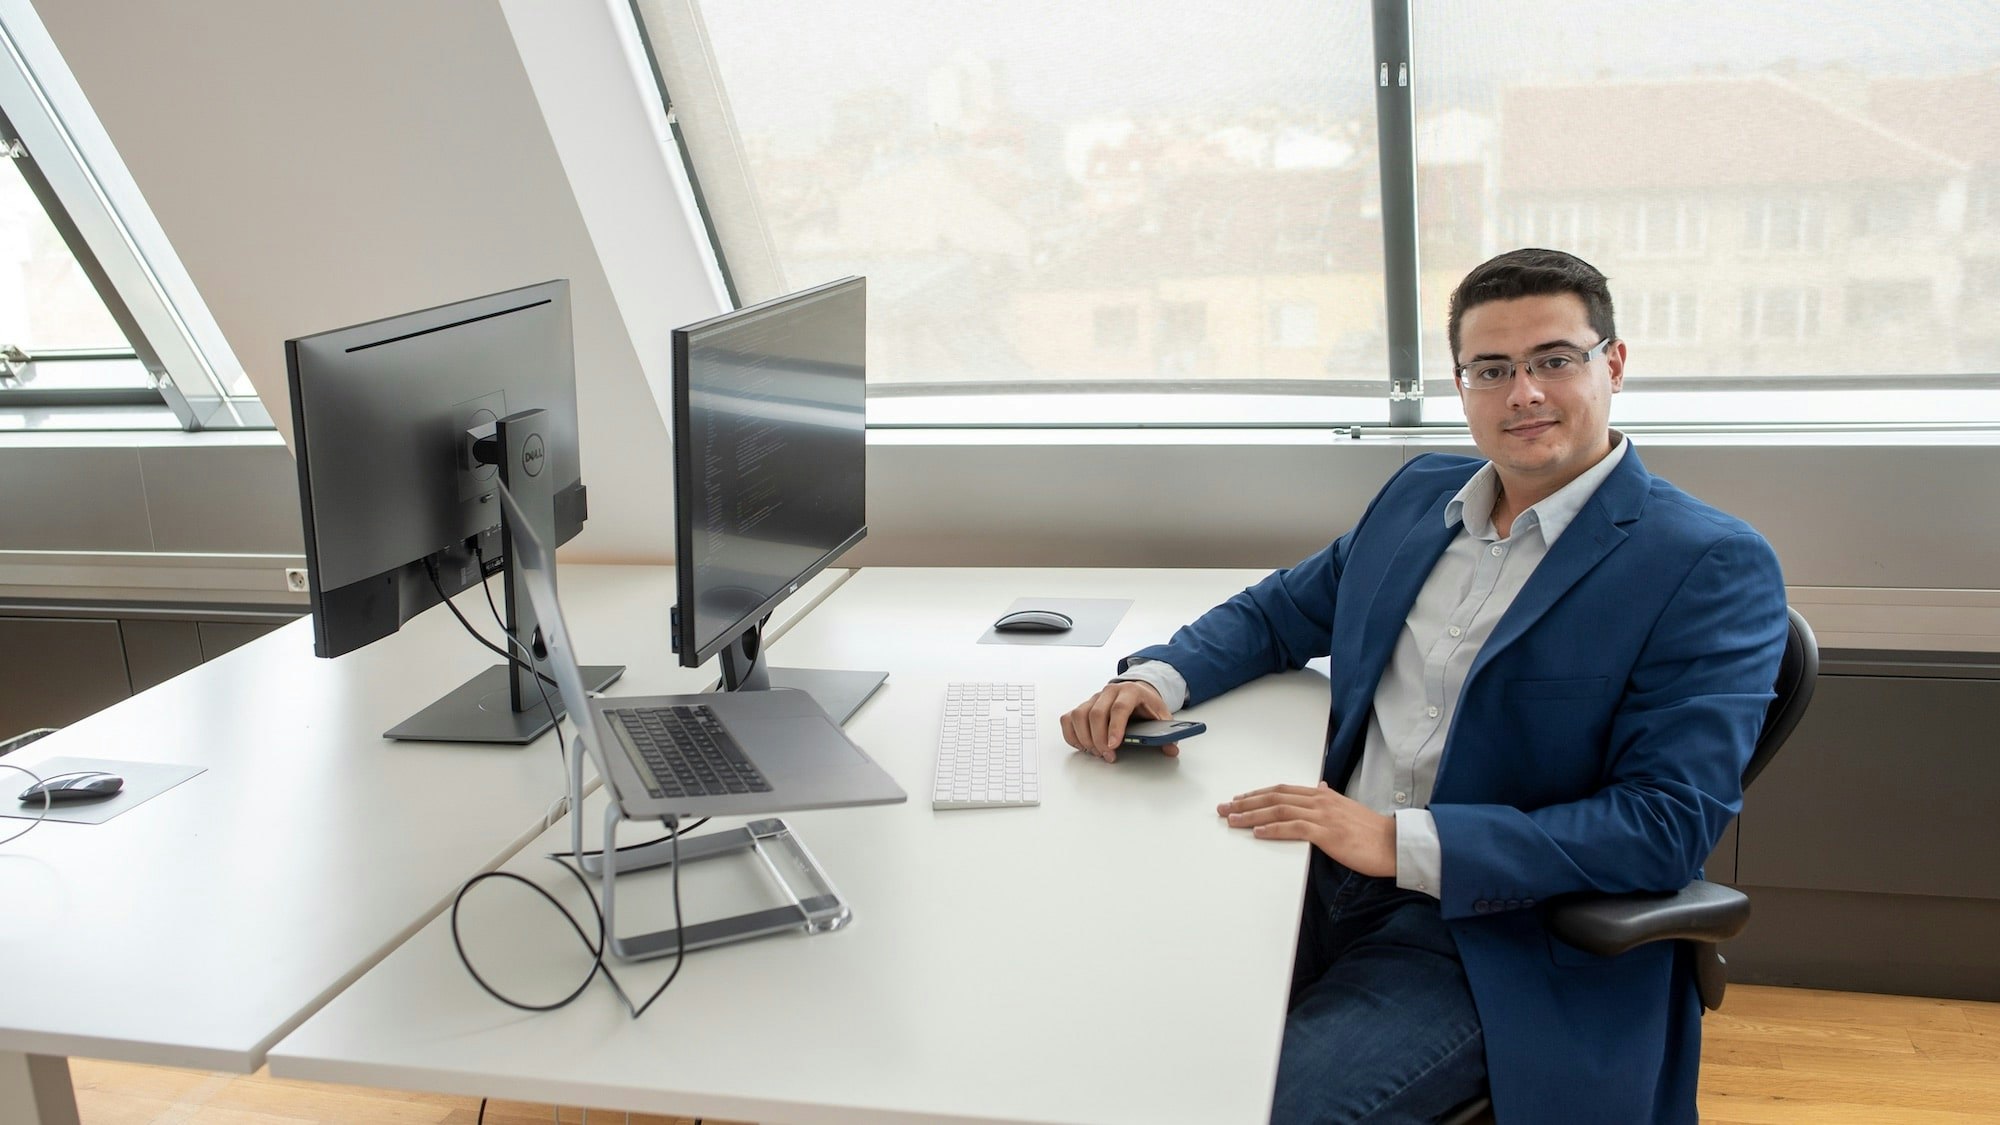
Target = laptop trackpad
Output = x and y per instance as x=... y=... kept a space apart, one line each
x=774 y=741
x=810 y=762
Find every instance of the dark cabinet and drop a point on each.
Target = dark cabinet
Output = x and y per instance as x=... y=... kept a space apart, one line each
x=54 y=671
x=1868 y=846
x=60 y=664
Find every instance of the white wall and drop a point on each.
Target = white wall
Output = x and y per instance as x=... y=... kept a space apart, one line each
x=320 y=164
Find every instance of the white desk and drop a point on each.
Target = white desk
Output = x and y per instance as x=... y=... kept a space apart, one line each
x=198 y=928
x=1114 y=955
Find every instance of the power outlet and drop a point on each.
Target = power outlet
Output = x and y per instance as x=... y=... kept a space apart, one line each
x=295 y=579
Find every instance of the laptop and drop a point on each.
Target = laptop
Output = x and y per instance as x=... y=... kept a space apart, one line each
x=708 y=754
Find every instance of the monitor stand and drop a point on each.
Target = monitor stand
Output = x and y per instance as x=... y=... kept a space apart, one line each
x=509 y=703
x=840 y=693
x=481 y=709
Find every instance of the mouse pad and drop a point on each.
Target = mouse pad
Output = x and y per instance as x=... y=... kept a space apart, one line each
x=1095 y=620
x=143 y=782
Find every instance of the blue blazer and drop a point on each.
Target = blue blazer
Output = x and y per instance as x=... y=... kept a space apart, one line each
x=1598 y=746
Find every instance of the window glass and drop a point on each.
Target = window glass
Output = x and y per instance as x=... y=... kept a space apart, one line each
x=47 y=305
x=1790 y=192
x=1049 y=196
x=46 y=302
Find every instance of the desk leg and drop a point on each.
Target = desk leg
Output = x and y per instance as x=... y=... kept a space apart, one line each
x=35 y=1090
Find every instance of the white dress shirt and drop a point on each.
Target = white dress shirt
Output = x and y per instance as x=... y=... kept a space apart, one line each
x=1468 y=591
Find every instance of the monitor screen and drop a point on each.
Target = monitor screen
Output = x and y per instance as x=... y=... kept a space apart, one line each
x=769 y=457
x=396 y=508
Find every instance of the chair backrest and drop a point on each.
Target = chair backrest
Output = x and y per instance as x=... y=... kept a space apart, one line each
x=1798 y=672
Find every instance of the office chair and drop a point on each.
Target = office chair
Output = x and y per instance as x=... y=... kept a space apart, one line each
x=1703 y=913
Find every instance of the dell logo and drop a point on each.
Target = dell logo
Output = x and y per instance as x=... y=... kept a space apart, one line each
x=532 y=455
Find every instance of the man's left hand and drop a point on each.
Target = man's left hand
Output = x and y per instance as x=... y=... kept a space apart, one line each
x=1352 y=834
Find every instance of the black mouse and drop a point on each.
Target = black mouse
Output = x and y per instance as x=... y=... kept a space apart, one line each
x=1034 y=621
x=84 y=785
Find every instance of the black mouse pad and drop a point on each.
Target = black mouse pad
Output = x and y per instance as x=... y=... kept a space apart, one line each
x=1095 y=620
x=143 y=782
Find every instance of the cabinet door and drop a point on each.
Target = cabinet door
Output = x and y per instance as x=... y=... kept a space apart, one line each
x=58 y=671
x=157 y=651
x=218 y=637
x=1886 y=787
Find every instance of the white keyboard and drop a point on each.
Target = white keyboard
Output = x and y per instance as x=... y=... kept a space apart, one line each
x=988 y=752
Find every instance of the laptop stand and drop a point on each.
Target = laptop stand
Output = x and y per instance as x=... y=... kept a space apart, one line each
x=815 y=907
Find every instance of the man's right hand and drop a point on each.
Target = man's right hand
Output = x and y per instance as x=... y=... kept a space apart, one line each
x=1097 y=725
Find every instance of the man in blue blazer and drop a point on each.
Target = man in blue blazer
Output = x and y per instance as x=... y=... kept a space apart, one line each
x=1549 y=669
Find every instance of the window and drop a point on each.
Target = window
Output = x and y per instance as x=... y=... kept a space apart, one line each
x=1043 y=196
x=1784 y=225
x=1665 y=228
x=1891 y=214
x=1002 y=174
x=1654 y=317
x=1180 y=334
x=57 y=340
x=1781 y=314
x=99 y=326
x=1560 y=226
x=1903 y=305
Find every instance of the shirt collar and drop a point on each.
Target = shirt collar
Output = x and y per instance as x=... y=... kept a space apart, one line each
x=1473 y=503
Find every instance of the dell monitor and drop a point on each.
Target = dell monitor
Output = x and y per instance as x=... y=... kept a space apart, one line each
x=770 y=480
x=402 y=429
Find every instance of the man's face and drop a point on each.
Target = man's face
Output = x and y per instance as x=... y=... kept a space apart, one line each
x=1539 y=436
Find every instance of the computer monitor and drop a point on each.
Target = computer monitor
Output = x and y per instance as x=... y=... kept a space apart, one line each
x=770 y=476
x=401 y=429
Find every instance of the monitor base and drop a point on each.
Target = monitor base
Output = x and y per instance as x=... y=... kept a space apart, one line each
x=478 y=710
x=840 y=693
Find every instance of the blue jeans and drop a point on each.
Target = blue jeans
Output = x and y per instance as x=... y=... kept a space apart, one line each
x=1381 y=1026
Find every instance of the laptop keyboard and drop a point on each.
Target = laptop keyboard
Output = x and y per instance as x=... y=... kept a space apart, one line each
x=689 y=752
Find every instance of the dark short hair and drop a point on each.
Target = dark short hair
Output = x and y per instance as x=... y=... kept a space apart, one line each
x=1531 y=272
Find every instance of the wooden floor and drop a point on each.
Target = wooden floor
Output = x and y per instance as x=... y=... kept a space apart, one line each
x=1772 y=1055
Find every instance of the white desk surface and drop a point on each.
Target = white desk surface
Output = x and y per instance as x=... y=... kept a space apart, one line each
x=198 y=928
x=1115 y=954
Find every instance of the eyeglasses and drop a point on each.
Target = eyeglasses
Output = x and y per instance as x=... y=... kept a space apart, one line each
x=1552 y=366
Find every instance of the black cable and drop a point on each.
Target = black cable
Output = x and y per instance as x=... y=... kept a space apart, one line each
x=623 y=848
x=542 y=682
x=482 y=1113
x=597 y=949
x=430 y=565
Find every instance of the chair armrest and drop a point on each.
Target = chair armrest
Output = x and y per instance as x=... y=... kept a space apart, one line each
x=1608 y=925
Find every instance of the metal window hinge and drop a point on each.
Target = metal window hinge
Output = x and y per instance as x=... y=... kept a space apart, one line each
x=13 y=361
x=15 y=150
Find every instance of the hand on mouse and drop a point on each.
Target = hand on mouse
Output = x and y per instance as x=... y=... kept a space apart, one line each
x=1097 y=725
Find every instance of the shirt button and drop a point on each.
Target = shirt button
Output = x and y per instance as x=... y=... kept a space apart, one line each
x=1423 y=886
x=1455 y=630
x=1498 y=550
x=1431 y=712
x=1402 y=798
